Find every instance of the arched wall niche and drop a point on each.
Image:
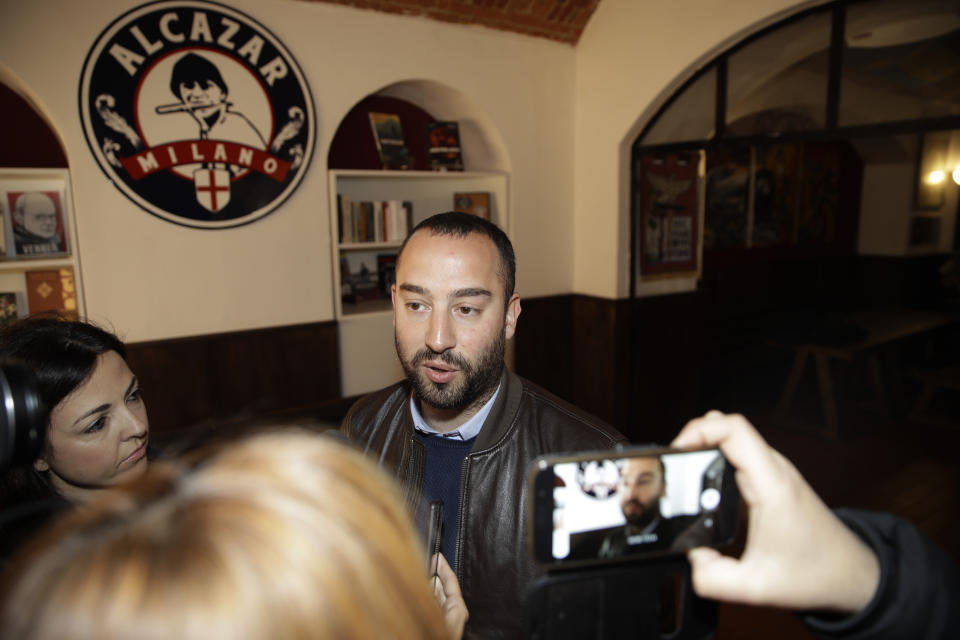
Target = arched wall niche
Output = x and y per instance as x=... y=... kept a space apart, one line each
x=31 y=139
x=482 y=144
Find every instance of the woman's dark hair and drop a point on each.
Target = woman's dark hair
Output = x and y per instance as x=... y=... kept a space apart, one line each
x=61 y=353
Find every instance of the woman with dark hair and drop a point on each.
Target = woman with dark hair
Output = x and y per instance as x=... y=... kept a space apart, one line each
x=96 y=422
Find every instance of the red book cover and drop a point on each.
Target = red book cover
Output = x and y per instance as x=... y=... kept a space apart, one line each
x=443 y=146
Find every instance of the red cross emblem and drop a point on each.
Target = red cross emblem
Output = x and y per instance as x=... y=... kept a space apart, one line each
x=212 y=188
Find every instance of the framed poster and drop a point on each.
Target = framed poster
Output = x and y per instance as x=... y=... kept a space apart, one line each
x=775 y=194
x=726 y=208
x=34 y=215
x=668 y=214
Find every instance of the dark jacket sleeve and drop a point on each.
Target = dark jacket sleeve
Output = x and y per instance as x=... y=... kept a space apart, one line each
x=919 y=592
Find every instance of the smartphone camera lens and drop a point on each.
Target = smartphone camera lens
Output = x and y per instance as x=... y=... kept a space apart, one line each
x=710 y=499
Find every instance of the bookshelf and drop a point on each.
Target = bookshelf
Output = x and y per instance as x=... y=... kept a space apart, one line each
x=367 y=355
x=14 y=268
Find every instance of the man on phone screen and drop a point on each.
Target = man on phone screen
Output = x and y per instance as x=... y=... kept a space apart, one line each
x=642 y=485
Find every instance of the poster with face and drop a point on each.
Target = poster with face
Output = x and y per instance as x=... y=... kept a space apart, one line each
x=34 y=219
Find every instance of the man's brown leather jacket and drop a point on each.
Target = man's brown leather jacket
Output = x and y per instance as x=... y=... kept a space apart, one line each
x=493 y=564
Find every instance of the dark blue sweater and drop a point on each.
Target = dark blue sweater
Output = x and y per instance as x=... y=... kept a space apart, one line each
x=442 y=476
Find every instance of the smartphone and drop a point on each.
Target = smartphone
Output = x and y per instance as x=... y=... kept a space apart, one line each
x=629 y=504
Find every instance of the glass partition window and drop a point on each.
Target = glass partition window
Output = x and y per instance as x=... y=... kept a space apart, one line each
x=690 y=116
x=898 y=62
x=901 y=61
x=778 y=82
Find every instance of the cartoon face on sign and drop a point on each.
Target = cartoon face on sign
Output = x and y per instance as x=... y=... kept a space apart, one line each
x=197 y=113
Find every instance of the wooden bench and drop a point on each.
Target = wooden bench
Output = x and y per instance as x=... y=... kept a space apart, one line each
x=884 y=331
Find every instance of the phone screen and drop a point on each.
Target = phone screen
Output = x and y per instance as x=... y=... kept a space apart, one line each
x=592 y=509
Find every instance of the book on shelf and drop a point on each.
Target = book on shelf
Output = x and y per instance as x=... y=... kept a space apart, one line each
x=388 y=134
x=476 y=203
x=361 y=215
x=405 y=219
x=51 y=290
x=343 y=216
x=36 y=218
x=373 y=221
x=12 y=306
x=3 y=228
x=443 y=146
x=397 y=218
x=381 y=213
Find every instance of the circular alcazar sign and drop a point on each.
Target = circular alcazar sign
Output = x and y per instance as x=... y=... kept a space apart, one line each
x=197 y=113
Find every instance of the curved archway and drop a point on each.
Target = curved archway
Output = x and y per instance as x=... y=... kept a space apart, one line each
x=30 y=137
x=483 y=145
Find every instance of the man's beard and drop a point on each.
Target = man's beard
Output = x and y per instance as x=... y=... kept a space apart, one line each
x=477 y=380
x=644 y=516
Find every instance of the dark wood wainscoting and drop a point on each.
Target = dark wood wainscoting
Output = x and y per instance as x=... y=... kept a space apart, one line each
x=636 y=365
x=289 y=371
x=544 y=346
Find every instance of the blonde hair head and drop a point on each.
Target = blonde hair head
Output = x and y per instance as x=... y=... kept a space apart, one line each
x=282 y=535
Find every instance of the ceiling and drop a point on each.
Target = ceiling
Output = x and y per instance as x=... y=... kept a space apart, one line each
x=560 y=20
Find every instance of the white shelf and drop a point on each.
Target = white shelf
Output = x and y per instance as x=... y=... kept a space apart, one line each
x=368 y=246
x=13 y=268
x=27 y=264
x=413 y=175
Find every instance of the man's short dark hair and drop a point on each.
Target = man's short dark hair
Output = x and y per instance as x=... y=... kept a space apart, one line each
x=460 y=225
x=193 y=68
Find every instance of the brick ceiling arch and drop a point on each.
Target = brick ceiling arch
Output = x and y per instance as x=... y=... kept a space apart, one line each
x=560 y=20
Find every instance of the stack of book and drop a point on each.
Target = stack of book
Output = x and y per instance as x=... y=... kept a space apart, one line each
x=373 y=221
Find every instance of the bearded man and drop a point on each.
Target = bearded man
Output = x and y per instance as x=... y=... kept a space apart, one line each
x=462 y=429
x=642 y=485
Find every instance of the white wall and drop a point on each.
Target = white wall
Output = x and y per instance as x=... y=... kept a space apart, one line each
x=152 y=279
x=887 y=197
x=886 y=210
x=631 y=57
x=566 y=116
x=884 y=207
